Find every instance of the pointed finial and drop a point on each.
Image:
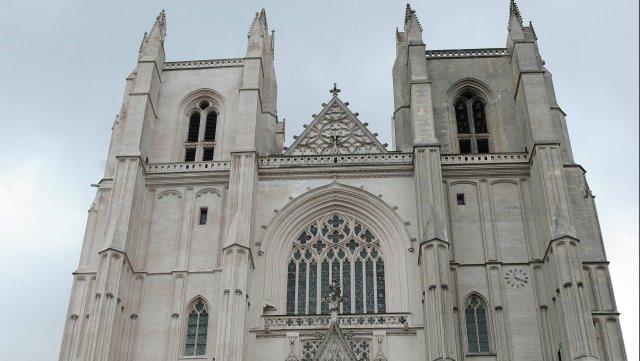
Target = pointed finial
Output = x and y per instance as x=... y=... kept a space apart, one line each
x=160 y=23
x=514 y=13
x=409 y=17
x=335 y=90
x=259 y=24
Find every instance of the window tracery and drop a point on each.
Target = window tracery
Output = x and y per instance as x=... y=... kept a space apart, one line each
x=197 y=323
x=471 y=123
x=201 y=133
x=336 y=249
x=475 y=314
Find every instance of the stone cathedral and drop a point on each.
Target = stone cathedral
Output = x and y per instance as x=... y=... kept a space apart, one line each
x=473 y=237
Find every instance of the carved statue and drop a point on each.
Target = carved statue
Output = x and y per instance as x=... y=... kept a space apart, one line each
x=335 y=297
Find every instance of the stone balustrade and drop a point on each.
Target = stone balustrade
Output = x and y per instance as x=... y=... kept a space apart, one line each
x=199 y=64
x=335 y=160
x=384 y=320
x=449 y=159
x=466 y=53
x=304 y=161
x=181 y=167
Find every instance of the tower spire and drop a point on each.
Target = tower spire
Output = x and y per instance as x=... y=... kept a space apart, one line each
x=411 y=22
x=153 y=40
x=259 y=24
x=515 y=18
x=159 y=27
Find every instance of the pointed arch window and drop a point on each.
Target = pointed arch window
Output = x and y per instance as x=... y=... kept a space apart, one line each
x=197 y=323
x=475 y=314
x=471 y=123
x=201 y=133
x=336 y=249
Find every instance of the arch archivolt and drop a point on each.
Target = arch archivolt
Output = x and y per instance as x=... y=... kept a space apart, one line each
x=277 y=241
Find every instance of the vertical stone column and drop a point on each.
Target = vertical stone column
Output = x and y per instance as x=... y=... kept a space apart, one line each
x=562 y=260
x=236 y=257
x=501 y=344
x=439 y=323
x=173 y=346
x=105 y=328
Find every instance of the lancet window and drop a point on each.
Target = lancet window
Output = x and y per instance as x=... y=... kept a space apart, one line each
x=471 y=123
x=201 y=133
x=197 y=322
x=336 y=249
x=475 y=314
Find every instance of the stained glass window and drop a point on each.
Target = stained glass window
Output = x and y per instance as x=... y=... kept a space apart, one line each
x=346 y=286
x=196 y=335
x=200 y=142
x=370 y=289
x=382 y=307
x=313 y=287
x=210 y=128
x=291 y=288
x=194 y=127
x=324 y=285
x=476 y=325
x=336 y=249
x=302 y=287
x=471 y=123
x=359 y=288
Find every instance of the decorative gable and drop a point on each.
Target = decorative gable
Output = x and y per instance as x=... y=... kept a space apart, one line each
x=336 y=130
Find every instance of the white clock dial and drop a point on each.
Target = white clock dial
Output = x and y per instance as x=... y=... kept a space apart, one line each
x=516 y=278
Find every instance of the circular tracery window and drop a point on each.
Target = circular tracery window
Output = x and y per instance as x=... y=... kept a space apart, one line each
x=336 y=249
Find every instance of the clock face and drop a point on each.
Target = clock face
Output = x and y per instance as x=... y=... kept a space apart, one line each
x=516 y=278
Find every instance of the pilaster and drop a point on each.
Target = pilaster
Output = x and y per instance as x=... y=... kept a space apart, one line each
x=236 y=257
x=434 y=258
x=107 y=317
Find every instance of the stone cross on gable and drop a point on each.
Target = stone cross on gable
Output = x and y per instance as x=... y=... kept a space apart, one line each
x=335 y=90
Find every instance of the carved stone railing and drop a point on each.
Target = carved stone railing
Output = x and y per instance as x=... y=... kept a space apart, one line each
x=384 y=320
x=181 y=167
x=448 y=159
x=467 y=53
x=199 y=64
x=335 y=160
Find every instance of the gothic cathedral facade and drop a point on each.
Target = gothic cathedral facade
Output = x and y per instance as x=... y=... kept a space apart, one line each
x=475 y=237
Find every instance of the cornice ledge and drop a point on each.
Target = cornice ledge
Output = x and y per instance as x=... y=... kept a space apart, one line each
x=428 y=243
x=240 y=246
x=561 y=238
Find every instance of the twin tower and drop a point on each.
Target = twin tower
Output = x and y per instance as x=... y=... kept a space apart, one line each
x=474 y=238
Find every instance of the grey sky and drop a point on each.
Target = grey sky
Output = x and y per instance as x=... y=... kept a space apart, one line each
x=62 y=74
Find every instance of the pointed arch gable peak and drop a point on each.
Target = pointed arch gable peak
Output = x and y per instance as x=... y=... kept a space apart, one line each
x=470 y=83
x=195 y=299
x=351 y=201
x=314 y=140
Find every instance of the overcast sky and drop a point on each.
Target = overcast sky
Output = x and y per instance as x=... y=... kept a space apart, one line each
x=62 y=72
